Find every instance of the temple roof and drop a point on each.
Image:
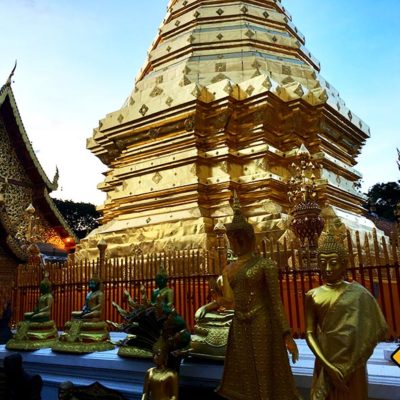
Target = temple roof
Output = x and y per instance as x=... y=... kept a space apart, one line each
x=35 y=179
x=10 y=112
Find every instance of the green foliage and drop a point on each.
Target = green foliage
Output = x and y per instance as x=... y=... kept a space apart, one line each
x=81 y=217
x=384 y=197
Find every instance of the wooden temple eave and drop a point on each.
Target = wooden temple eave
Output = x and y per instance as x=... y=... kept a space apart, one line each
x=7 y=238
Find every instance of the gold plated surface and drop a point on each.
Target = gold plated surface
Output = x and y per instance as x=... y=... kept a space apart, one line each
x=224 y=101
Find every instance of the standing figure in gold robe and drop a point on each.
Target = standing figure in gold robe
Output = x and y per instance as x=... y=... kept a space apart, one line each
x=160 y=382
x=256 y=362
x=343 y=325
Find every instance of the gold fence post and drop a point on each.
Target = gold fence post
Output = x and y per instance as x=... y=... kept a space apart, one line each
x=220 y=231
x=102 y=246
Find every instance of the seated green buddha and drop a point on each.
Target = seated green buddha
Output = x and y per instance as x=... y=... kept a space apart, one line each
x=87 y=331
x=37 y=330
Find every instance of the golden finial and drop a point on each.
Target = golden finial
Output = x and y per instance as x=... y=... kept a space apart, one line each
x=162 y=272
x=8 y=82
x=239 y=222
x=46 y=281
x=302 y=185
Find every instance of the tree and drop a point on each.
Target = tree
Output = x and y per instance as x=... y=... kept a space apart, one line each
x=384 y=197
x=81 y=217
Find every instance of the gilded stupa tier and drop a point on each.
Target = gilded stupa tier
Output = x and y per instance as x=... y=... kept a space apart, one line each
x=225 y=100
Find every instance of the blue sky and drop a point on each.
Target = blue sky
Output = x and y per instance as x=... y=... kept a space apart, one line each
x=77 y=61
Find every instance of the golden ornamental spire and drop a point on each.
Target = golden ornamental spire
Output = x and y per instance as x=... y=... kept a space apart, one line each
x=302 y=185
x=8 y=82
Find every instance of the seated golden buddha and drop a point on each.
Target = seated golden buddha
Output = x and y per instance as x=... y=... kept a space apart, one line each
x=37 y=330
x=210 y=335
x=87 y=331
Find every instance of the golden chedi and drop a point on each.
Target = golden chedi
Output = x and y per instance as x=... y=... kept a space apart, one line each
x=37 y=330
x=225 y=99
x=343 y=325
x=87 y=331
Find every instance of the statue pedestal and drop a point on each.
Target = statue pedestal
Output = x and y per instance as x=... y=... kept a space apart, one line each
x=84 y=337
x=33 y=336
x=127 y=374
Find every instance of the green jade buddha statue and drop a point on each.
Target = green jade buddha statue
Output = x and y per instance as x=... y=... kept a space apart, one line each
x=87 y=332
x=151 y=321
x=37 y=330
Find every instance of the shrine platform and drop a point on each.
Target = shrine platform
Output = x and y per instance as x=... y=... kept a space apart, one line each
x=196 y=376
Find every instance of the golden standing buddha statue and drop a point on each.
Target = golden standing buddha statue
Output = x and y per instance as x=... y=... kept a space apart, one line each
x=343 y=325
x=87 y=331
x=256 y=362
x=160 y=382
x=37 y=330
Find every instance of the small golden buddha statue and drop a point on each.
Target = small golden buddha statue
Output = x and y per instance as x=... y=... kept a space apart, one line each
x=160 y=382
x=37 y=330
x=343 y=325
x=87 y=331
x=256 y=362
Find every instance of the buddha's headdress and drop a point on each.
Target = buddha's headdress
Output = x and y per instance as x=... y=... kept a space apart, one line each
x=239 y=221
x=160 y=347
x=162 y=272
x=332 y=245
x=95 y=278
x=46 y=282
